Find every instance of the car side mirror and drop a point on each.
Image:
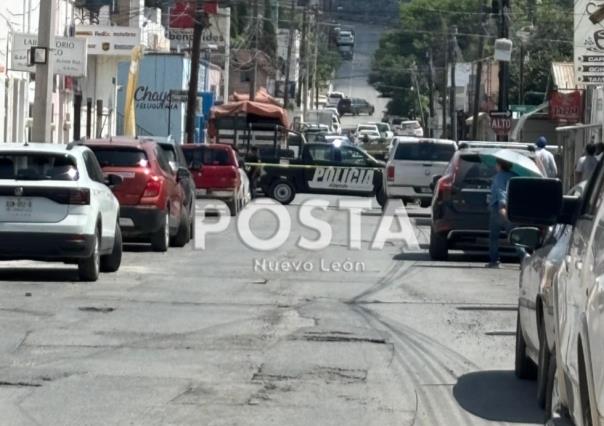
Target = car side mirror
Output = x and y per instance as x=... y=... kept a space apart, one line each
x=534 y=201
x=182 y=174
x=526 y=237
x=434 y=180
x=113 y=180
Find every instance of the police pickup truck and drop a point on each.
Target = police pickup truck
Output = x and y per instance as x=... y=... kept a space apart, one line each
x=323 y=168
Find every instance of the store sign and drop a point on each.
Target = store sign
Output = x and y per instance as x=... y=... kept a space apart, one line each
x=217 y=34
x=566 y=107
x=501 y=122
x=182 y=14
x=109 y=41
x=69 y=54
x=589 y=41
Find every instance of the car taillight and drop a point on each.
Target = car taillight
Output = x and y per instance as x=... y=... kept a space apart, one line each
x=444 y=185
x=390 y=173
x=79 y=197
x=153 y=187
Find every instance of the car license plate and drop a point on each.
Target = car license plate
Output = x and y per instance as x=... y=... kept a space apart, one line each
x=201 y=191
x=425 y=190
x=18 y=205
x=124 y=175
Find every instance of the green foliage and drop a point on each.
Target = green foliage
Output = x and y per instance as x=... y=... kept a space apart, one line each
x=268 y=38
x=424 y=27
x=239 y=18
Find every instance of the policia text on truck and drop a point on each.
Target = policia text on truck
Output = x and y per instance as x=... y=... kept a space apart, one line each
x=323 y=168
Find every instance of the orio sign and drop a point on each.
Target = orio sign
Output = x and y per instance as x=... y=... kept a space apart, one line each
x=69 y=54
x=501 y=122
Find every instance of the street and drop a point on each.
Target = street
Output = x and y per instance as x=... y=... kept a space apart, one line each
x=351 y=78
x=210 y=337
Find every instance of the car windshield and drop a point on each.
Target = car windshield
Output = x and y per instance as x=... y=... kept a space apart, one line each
x=120 y=157
x=38 y=166
x=382 y=127
x=364 y=128
x=424 y=151
x=207 y=157
x=410 y=126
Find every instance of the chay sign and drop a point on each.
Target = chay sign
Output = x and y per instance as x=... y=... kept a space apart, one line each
x=69 y=54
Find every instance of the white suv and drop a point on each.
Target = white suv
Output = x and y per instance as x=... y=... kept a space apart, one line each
x=412 y=165
x=55 y=205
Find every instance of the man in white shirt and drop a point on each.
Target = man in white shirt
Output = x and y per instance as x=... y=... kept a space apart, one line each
x=546 y=158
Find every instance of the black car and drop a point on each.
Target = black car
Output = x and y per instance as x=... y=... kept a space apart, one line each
x=175 y=155
x=355 y=106
x=460 y=212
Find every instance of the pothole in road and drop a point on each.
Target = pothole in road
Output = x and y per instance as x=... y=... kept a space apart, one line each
x=20 y=384
x=500 y=333
x=96 y=309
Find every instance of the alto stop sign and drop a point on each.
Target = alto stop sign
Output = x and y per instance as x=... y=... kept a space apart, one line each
x=501 y=122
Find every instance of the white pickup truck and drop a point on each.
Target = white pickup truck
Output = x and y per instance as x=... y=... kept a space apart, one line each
x=411 y=166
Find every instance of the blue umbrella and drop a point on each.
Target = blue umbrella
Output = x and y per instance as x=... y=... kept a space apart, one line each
x=522 y=164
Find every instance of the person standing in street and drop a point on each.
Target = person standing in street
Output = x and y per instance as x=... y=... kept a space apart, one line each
x=546 y=158
x=498 y=219
x=599 y=150
x=586 y=164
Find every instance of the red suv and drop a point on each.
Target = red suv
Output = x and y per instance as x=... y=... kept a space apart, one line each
x=152 y=203
x=218 y=173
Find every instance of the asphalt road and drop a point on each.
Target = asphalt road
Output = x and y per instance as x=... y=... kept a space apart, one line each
x=212 y=337
x=351 y=78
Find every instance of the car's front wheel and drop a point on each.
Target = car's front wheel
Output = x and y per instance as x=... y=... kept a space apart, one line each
x=542 y=368
x=524 y=367
x=112 y=261
x=90 y=267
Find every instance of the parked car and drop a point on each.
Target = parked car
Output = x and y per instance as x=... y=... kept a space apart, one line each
x=412 y=165
x=333 y=98
x=460 y=213
x=355 y=106
x=345 y=38
x=367 y=136
x=219 y=174
x=410 y=128
x=535 y=330
x=384 y=129
x=576 y=382
x=152 y=202
x=346 y=52
x=56 y=205
x=178 y=162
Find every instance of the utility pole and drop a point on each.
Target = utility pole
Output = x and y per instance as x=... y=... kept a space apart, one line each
x=431 y=94
x=288 y=60
x=200 y=21
x=504 y=67
x=41 y=131
x=478 y=77
x=257 y=32
x=306 y=64
x=453 y=94
x=315 y=82
x=445 y=87
x=299 y=95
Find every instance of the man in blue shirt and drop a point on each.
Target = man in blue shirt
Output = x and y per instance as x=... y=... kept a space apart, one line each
x=498 y=203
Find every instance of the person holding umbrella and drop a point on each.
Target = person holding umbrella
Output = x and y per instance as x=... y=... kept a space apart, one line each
x=498 y=201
